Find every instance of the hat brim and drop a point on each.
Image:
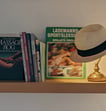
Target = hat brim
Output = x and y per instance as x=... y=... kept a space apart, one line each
x=77 y=58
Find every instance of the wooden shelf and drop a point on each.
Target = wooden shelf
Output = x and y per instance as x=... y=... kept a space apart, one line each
x=54 y=86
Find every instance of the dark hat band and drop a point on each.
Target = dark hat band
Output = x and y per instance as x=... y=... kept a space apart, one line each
x=92 y=51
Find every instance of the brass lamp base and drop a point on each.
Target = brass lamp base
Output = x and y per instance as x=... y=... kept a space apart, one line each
x=96 y=77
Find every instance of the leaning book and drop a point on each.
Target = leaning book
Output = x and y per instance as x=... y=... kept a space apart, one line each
x=59 y=45
x=11 y=59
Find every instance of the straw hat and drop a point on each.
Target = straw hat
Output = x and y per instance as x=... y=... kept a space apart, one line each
x=90 y=42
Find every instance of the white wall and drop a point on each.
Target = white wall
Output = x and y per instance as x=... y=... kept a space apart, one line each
x=34 y=16
x=52 y=102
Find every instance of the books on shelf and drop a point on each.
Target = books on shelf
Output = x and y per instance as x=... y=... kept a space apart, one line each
x=32 y=57
x=59 y=44
x=28 y=59
x=20 y=57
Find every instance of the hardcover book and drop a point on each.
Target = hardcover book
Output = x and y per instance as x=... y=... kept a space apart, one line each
x=26 y=58
x=11 y=59
x=37 y=46
x=30 y=56
x=34 y=56
x=59 y=45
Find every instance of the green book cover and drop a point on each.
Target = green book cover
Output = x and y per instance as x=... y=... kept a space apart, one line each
x=59 y=45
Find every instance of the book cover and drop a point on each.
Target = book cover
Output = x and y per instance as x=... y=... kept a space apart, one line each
x=59 y=45
x=11 y=59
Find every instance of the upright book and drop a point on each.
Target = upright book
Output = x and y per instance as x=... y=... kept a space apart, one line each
x=59 y=45
x=30 y=56
x=37 y=46
x=11 y=59
x=42 y=60
x=25 y=55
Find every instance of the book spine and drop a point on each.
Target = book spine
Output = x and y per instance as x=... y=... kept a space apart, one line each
x=42 y=60
x=38 y=59
x=26 y=54
x=24 y=60
x=30 y=56
x=34 y=56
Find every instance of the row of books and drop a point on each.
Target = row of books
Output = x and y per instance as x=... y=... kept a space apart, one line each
x=21 y=57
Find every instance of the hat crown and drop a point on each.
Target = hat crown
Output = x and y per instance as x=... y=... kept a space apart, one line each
x=90 y=36
x=92 y=28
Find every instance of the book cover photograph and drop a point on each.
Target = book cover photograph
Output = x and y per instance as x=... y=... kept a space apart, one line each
x=59 y=45
x=11 y=60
